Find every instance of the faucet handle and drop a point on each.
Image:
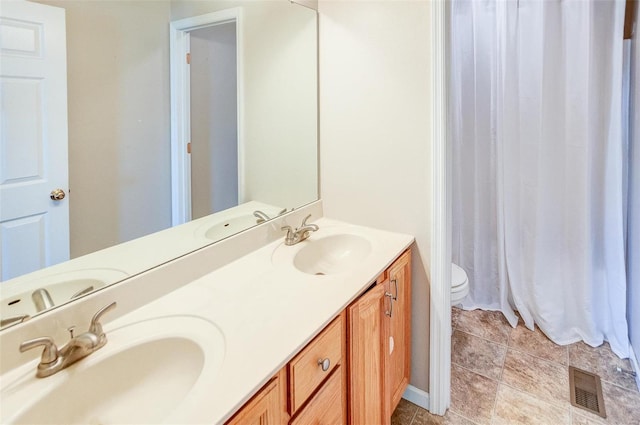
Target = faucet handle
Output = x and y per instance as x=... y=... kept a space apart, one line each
x=304 y=222
x=289 y=236
x=96 y=327
x=308 y=227
x=50 y=352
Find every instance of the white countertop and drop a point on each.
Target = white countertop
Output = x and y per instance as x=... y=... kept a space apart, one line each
x=267 y=311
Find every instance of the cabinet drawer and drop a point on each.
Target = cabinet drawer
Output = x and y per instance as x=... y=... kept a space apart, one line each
x=305 y=370
x=327 y=407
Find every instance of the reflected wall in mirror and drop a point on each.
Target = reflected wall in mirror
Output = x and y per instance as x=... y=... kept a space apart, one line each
x=120 y=145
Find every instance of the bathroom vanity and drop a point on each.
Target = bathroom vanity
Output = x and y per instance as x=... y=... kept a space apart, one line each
x=316 y=332
x=357 y=368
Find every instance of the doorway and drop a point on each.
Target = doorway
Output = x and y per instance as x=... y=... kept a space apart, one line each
x=213 y=106
x=206 y=112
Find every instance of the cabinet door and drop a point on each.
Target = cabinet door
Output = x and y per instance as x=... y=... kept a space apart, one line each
x=398 y=348
x=366 y=335
x=265 y=408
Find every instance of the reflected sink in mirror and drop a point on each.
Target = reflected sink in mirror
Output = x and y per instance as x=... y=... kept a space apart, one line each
x=149 y=372
x=65 y=280
x=229 y=227
x=18 y=300
x=328 y=255
x=241 y=218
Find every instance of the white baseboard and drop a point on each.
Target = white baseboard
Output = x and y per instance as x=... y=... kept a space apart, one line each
x=417 y=396
x=634 y=363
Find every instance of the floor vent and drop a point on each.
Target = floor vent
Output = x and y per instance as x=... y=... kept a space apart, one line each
x=586 y=391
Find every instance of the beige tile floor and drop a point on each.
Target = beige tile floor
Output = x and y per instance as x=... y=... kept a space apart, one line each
x=501 y=375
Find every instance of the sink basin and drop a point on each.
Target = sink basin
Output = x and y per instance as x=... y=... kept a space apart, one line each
x=331 y=254
x=234 y=220
x=229 y=227
x=168 y=368
x=17 y=301
x=149 y=372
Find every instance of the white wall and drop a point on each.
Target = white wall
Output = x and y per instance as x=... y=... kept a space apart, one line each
x=118 y=100
x=279 y=100
x=375 y=132
x=633 y=230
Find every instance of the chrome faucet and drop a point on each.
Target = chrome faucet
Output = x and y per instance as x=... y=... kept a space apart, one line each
x=55 y=359
x=262 y=217
x=299 y=234
x=42 y=299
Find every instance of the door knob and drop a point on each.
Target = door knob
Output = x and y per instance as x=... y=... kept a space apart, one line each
x=324 y=364
x=57 y=195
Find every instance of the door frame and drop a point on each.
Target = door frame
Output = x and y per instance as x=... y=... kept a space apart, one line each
x=440 y=307
x=179 y=46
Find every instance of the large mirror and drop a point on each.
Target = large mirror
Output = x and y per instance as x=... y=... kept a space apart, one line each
x=167 y=152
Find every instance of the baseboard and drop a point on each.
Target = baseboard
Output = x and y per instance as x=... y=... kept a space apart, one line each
x=417 y=396
x=634 y=363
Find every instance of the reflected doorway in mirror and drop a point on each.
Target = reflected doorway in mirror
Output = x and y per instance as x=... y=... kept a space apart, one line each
x=206 y=136
x=213 y=119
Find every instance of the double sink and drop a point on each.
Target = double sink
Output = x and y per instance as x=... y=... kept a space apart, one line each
x=159 y=369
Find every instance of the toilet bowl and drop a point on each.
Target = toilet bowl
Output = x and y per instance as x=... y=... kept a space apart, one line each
x=459 y=284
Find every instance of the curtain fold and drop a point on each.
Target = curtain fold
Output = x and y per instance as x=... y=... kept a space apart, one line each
x=536 y=132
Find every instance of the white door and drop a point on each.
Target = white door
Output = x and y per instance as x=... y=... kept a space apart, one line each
x=34 y=229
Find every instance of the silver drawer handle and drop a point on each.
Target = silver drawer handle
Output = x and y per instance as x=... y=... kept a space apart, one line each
x=390 y=311
x=324 y=364
x=395 y=283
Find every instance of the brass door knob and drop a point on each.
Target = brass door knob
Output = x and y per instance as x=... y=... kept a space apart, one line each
x=57 y=195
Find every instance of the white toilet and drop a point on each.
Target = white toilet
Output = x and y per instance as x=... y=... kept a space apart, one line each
x=459 y=284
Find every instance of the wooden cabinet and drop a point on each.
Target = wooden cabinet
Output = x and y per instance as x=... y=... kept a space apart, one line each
x=357 y=368
x=310 y=389
x=379 y=335
x=328 y=406
x=399 y=341
x=367 y=331
x=265 y=408
x=315 y=363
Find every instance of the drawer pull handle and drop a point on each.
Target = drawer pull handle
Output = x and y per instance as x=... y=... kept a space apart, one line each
x=390 y=311
x=325 y=364
x=395 y=283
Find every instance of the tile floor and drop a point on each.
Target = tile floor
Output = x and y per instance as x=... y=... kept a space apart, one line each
x=506 y=376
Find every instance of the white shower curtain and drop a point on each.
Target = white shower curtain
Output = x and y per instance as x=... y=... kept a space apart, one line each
x=537 y=163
